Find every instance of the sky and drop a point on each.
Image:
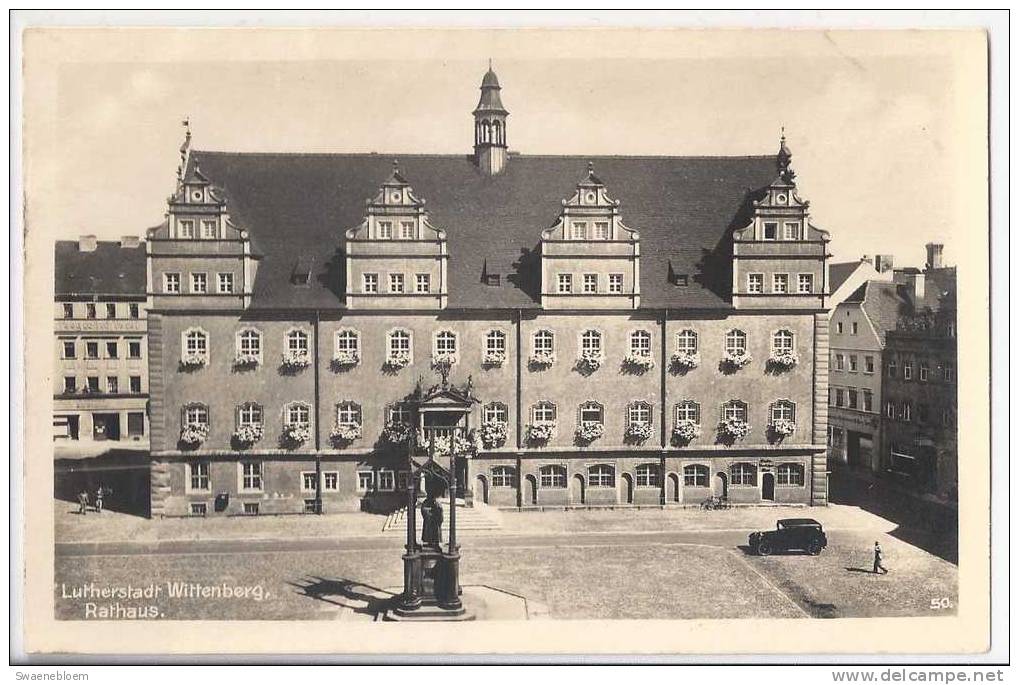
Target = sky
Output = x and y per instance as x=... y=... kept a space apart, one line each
x=872 y=124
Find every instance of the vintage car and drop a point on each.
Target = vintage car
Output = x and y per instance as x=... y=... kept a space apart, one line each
x=790 y=534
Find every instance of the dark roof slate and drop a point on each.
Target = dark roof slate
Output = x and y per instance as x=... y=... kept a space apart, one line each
x=838 y=272
x=885 y=303
x=108 y=270
x=297 y=206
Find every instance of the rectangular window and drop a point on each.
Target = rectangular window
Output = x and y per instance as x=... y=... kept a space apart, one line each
x=92 y=383
x=134 y=349
x=136 y=423
x=868 y=364
x=69 y=349
x=840 y=362
x=134 y=310
x=251 y=508
x=423 y=283
x=186 y=229
x=755 y=283
x=308 y=481
x=840 y=397
x=924 y=371
x=838 y=327
x=68 y=311
x=90 y=311
x=770 y=230
x=853 y=399
x=199 y=508
x=403 y=479
x=112 y=386
x=856 y=328
x=70 y=384
x=171 y=283
x=565 y=283
x=200 y=475
x=331 y=481
x=365 y=481
x=615 y=283
x=601 y=230
x=91 y=350
x=226 y=282
x=792 y=231
x=907 y=371
x=370 y=283
x=111 y=310
x=805 y=283
x=868 y=400
x=251 y=475
x=387 y=480
x=553 y=477
x=590 y=283
x=406 y=230
x=579 y=230
x=396 y=283
x=890 y=409
x=135 y=383
x=853 y=364
x=907 y=411
x=949 y=372
x=209 y=229
x=780 y=283
x=199 y=283
x=385 y=230
x=111 y=349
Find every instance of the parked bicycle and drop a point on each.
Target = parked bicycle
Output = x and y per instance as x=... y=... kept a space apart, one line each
x=714 y=503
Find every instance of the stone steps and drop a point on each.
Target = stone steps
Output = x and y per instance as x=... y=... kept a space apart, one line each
x=478 y=517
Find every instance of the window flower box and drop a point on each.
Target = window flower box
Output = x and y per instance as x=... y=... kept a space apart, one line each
x=686 y=430
x=784 y=360
x=249 y=434
x=397 y=432
x=684 y=361
x=194 y=361
x=736 y=360
x=345 y=432
x=493 y=433
x=590 y=361
x=443 y=360
x=541 y=431
x=494 y=358
x=194 y=434
x=782 y=427
x=444 y=446
x=397 y=360
x=734 y=429
x=638 y=362
x=296 y=435
x=541 y=359
x=295 y=360
x=344 y=359
x=638 y=430
x=589 y=431
x=245 y=361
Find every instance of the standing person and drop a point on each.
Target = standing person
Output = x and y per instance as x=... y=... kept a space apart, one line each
x=99 y=499
x=878 y=557
x=83 y=502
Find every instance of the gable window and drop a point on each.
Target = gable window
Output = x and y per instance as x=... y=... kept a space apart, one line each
x=590 y=342
x=783 y=410
x=445 y=343
x=601 y=230
x=199 y=283
x=544 y=342
x=495 y=412
x=688 y=410
x=297 y=415
x=743 y=474
x=855 y=328
x=70 y=351
x=686 y=342
x=780 y=283
x=226 y=282
x=736 y=343
x=805 y=283
x=423 y=283
x=695 y=476
x=90 y=311
x=782 y=342
x=755 y=283
x=198 y=472
x=838 y=327
x=579 y=230
x=789 y=474
x=396 y=283
x=249 y=343
x=591 y=412
x=209 y=229
x=385 y=230
x=249 y=415
x=590 y=283
x=792 y=231
x=601 y=476
x=504 y=477
x=91 y=349
x=647 y=475
x=348 y=414
x=171 y=283
x=68 y=310
x=196 y=344
x=565 y=283
x=399 y=344
x=638 y=412
x=370 y=283
x=868 y=364
x=251 y=478
x=186 y=229
x=734 y=410
x=406 y=230
x=615 y=283
x=552 y=476
x=770 y=230
x=640 y=343
x=543 y=412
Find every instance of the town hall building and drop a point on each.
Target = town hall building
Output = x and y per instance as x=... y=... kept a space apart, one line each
x=576 y=331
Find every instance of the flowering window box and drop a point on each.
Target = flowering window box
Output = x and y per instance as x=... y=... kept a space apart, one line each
x=590 y=361
x=444 y=446
x=249 y=434
x=246 y=361
x=194 y=361
x=589 y=431
x=296 y=360
x=494 y=358
x=782 y=427
x=397 y=360
x=542 y=360
x=638 y=362
x=737 y=360
x=397 y=433
x=684 y=361
x=734 y=429
x=443 y=360
x=296 y=434
x=541 y=431
x=638 y=430
x=493 y=433
x=345 y=359
x=194 y=434
x=686 y=430
x=784 y=360
x=345 y=432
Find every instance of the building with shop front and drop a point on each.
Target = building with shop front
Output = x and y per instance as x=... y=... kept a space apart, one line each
x=100 y=379
x=615 y=330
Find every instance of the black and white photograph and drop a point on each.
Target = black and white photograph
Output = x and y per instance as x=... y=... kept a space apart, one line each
x=383 y=335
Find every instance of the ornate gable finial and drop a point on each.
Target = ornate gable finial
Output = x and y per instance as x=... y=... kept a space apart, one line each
x=783 y=159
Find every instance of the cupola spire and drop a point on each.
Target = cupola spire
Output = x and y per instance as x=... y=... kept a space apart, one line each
x=490 y=126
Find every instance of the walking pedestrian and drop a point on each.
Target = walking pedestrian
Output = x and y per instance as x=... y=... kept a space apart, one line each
x=99 y=499
x=83 y=502
x=878 y=567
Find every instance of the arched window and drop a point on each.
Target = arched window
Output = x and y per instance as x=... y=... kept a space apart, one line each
x=485 y=131
x=195 y=414
x=686 y=342
x=647 y=476
x=639 y=412
x=734 y=410
x=348 y=341
x=249 y=343
x=743 y=474
x=736 y=342
x=688 y=410
x=601 y=476
x=399 y=344
x=497 y=132
x=504 y=477
x=297 y=414
x=196 y=343
x=348 y=414
x=543 y=412
x=249 y=414
x=695 y=476
x=495 y=343
x=783 y=410
x=640 y=343
x=445 y=343
x=544 y=342
x=591 y=412
x=495 y=412
x=552 y=476
x=789 y=474
x=590 y=341
x=782 y=341
x=297 y=343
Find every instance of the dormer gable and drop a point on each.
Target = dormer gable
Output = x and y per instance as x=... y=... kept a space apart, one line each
x=590 y=215
x=395 y=213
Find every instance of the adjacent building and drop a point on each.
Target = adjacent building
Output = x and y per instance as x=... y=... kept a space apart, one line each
x=617 y=330
x=100 y=379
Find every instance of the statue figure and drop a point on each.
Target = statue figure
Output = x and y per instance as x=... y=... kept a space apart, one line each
x=431 y=522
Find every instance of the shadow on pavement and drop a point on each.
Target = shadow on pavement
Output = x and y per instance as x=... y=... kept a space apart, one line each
x=349 y=594
x=123 y=474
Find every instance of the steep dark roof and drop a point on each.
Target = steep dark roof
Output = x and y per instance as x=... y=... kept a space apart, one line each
x=884 y=304
x=108 y=270
x=838 y=273
x=298 y=206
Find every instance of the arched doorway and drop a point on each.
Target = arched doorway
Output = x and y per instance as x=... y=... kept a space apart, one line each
x=672 y=489
x=768 y=486
x=721 y=485
x=530 y=490
x=628 y=487
x=577 y=489
x=481 y=488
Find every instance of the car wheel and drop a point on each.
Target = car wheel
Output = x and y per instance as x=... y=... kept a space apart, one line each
x=815 y=548
x=763 y=549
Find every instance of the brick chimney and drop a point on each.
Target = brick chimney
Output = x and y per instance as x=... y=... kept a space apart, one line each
x=934 y=255
x=883 y=263
x=87 y=243
x=130 y=241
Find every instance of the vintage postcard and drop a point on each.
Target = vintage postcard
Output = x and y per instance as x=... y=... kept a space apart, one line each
x=506 y=341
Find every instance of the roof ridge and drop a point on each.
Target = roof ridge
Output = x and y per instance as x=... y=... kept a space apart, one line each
x=466 y=155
